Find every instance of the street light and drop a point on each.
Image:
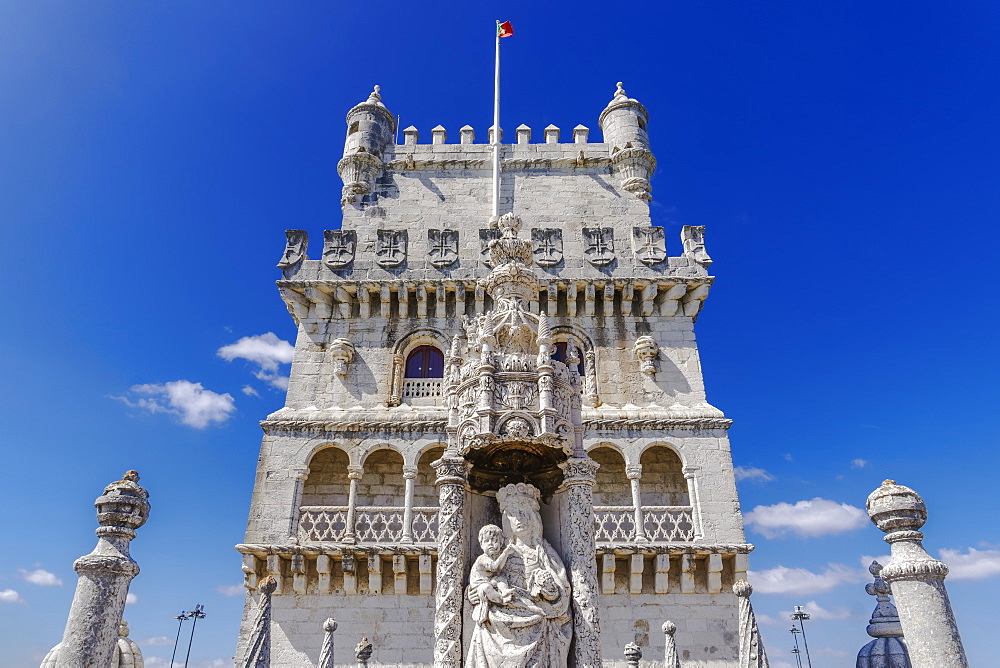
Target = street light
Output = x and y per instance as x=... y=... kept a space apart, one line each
x=197 y=614
x=795 y=634
x=181 y=618
x=801 y=616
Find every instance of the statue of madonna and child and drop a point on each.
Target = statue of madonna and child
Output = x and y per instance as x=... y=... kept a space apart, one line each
x=519 y=590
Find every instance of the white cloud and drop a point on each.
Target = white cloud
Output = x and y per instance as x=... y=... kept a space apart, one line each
x=267 y=351
x=817 y=612
x=783 y=580
x=10 y=596
x=156 y=662
x=975 y=565
x=249 y=391
x=829 y=651
x=131 y=599
x=40 y=577
x=752 y=473
x=859 y=463
x=158 y=641
x=231 y=590
x=196 y=406
x=818 y=517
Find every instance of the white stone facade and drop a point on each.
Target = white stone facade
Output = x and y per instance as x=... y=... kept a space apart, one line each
x=344 y=510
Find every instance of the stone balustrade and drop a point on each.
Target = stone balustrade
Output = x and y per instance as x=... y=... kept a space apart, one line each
x=372 y=525
x=661 y=524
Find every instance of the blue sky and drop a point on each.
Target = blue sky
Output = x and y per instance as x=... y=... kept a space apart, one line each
x=843 y=158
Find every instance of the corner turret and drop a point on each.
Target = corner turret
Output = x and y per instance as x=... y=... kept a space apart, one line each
x=623 y=123
x=370 y=130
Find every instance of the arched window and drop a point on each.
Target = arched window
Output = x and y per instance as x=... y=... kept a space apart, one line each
x=425 y=362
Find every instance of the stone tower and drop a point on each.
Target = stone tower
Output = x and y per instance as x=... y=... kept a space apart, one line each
x=441 y=357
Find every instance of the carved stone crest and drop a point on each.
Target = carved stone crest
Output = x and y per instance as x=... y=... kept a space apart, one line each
x=693 y=238
x=485 y=237
x=599 y=245
x=296 y=243
x=649 y=245
x=443 y=245
x=338 y=248
x=548 y=246
x=390 y=248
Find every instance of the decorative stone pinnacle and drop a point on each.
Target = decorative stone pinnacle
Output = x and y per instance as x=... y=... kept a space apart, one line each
x=621 y=90
x=363 y=650
x=131 y=475
x=632 y=653
x=330 y=625
x=123 y=630
x=669 y=627
x=742 y=588
x=893 y=507
x=268 y=586
x=375 y=96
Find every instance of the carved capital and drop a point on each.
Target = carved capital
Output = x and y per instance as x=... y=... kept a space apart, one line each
x=409 y=472
x=451 y=470
x=579 y=471
x=633 y=472
x=354 y=472
x=646 y=350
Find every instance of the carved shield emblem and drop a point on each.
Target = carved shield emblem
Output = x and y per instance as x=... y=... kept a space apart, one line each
x=599 y=245
x=443 y=245
x=296 y=243
x=338 y=248
x=485 y=237
x=390 y=248
x=649 y=245
x=548 y=246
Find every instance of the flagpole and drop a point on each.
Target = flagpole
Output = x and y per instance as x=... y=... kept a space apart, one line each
x=496 y=131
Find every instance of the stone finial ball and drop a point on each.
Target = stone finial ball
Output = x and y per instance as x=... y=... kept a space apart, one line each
x=742 y=589
x=633 y=652
x=669 y=627
x=894 y=507
x=330 y=625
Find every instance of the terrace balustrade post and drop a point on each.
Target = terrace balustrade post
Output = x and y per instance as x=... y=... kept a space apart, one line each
x=634 y=473
x=692 y=483
x=409 y=474
x=354 y=474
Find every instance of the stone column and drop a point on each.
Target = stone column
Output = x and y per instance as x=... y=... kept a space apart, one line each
x=634 y=474
x=752 y=654
x=91 y=635
x=916 y=579
x=692 y=483
x=326 y=653
x=409 y=473
x=452 y=473
x=354 y=474
x=670 y=657
x=259 y=646
x=579 y=479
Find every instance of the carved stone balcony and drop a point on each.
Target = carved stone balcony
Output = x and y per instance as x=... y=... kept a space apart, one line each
x=372 y=525
x=661 y=524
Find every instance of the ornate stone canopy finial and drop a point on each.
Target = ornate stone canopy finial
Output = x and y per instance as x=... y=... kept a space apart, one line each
x=888 y=648
x=621 y=90
x=375 y=95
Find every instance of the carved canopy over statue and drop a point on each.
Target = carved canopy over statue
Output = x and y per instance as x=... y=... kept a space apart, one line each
x=520 y=591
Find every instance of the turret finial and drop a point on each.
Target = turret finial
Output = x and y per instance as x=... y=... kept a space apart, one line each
x=375 y=96
x=621 y=90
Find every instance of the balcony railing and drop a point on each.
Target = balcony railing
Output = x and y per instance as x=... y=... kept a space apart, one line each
x=419 y=388
x=661 y=524
x=372 y=524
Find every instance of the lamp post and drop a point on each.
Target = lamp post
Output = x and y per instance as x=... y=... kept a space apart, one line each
x=181 y=618
x=195 y=614
x=795 y=634
x=801 y=616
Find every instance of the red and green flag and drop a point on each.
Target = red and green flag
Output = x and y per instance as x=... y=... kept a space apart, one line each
x=504 y=29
